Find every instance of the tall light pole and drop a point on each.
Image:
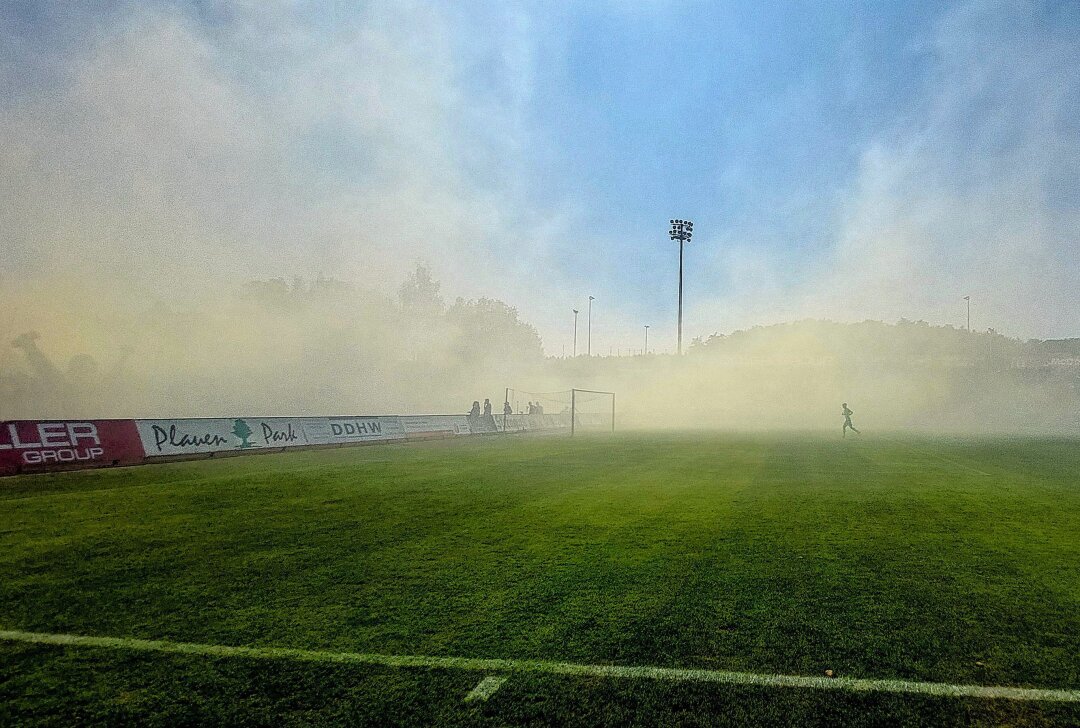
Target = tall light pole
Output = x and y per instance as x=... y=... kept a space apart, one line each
x=646 y=339
x=681 y=230
x=575 y=331
x=590 y=324
x=968 y=299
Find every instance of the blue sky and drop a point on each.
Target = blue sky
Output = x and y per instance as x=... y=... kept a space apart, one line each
x=839 y=159
x=728 y=114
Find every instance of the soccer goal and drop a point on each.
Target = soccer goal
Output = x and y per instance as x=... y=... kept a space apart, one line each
x=573 y=410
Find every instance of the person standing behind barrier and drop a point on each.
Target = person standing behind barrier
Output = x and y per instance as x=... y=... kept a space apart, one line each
x=507 y=409
x=488 y=419
x=474 y=413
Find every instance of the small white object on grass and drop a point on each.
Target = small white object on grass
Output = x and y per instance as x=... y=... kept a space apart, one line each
x=486 y=688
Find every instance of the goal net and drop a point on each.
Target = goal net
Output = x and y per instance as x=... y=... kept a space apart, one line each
x=570 y=410
x=592 y=411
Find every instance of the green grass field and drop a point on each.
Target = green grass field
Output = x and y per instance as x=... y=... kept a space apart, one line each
x=948 y=561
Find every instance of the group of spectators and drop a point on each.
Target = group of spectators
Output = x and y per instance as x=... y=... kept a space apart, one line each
x=475 y=413
x=482 y=420
x=484 y=414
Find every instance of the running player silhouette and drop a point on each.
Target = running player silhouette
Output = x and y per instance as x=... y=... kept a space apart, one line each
x=847 y=421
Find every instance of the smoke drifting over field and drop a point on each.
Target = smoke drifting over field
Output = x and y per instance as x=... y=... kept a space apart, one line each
x=904 y=376
x=269 y=347
x=168 y=169
x=319 y=347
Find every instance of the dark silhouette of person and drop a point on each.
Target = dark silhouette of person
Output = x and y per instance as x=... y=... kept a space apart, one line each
x=487 y=422
x=475 y=411
x=847 y=421
x=507 y=409
x=539 y=408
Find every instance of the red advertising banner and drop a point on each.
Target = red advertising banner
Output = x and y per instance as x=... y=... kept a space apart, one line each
x=35 y=445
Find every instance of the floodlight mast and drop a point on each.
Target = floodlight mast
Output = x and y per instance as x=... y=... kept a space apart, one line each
x=591 y=299
x=575 y=331
x=681 y=230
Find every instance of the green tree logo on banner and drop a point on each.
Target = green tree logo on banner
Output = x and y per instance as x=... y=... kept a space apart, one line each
x=241 y=430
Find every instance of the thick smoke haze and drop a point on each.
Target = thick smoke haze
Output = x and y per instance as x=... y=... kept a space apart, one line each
x=316 y=347
x=218 y=208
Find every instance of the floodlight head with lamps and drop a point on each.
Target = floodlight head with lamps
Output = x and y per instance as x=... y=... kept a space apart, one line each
x=682 y=230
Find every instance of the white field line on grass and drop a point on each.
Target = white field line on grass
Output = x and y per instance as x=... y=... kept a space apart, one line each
x=554 y=668
x=938 y=456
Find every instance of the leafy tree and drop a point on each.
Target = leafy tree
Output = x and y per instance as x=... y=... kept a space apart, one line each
x=419 y=294
x=488 y=329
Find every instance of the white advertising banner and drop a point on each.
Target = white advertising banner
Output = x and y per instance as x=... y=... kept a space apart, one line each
x=194 y=436
x=334 y=430
x=528 y=423
x=418 y=424
x=182 y=437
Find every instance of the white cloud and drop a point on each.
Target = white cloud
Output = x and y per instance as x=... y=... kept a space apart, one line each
x=271 y=141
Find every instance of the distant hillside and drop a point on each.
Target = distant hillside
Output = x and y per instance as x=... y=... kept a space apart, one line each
x=905 y=342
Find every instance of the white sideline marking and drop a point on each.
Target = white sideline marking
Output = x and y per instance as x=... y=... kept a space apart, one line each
x=486 y=688
x=938 y=456
x=672 y=674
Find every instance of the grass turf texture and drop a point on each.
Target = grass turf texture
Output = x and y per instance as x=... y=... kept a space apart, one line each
x=946 y=561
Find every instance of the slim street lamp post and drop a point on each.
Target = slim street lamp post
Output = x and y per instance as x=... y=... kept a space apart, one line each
x=968 y=299
x=591 y=298
x=646 y=339
x=575 y=331
x=681 y=230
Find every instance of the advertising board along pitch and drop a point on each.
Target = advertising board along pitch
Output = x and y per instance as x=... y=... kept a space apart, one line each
x=36 y=445
x=335 y=430
x=45 y=444
x=194 y=436
x=436 y=424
